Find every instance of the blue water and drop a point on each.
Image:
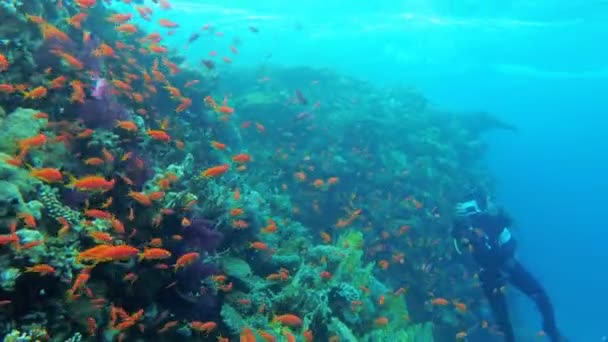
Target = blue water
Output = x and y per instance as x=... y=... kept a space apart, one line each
x=541 y=65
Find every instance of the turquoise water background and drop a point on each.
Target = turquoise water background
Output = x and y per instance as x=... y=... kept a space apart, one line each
x=541 y=65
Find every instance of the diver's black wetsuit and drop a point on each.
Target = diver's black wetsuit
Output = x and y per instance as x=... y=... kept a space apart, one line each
x=493 y=249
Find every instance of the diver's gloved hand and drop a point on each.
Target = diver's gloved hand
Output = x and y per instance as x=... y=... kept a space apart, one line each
x=553 y=334
x=467 y=208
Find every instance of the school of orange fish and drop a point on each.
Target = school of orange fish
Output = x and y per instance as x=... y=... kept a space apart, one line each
x=142 y=69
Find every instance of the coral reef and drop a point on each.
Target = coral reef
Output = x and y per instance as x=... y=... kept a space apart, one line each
x=142 y=198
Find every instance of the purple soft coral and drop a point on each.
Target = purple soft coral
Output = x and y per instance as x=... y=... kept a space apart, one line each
x=139 y=168
x=202 y=236
x=101 y=113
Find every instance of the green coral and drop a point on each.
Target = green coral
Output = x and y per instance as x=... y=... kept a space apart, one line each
x=351 y=257
x=257 y=98
x=15 y=184
x=19 y=124
x=8 y=277
x=235 y=267
x=11 y=201
x=32 y=333
x=340 y=329
x=232 y=318
x=413 y=333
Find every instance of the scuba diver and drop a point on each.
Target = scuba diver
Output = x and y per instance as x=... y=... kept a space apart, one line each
x=484 y=228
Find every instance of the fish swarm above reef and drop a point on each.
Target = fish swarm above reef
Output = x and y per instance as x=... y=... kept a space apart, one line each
x=145 y=199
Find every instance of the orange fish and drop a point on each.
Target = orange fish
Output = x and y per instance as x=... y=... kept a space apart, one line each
x=32 y=244
x=140 y=198
x=94 y=161
x=28 y=219
x=191 y=83
x=260 y=128
x=78 y=93
x=167 y=23
x=332 y=180
x=289 y=320
x=5 y=239
x=237 y=212
x=98 y=214
x=81 y=281
x=218 y=145
x=3 y=63
x=51 y=32
x=159 y=135
x=326 y=237
x=440 y=301
x=77 y=20
x=157 y=48
x=270 y=228
x=215 y=171
x=259 y=245
x=164 y=4
x=92 y=183
x=308 y=336
x=156 y=242
x=185 y=260
x=381 y=321
x=289 y=337
x=48 y=175
x=118 y=226
x=156 y=195
x=127 y=125
x=58 y=82
x=241 y=158
x=7 y=88
x=300 y=176
x=183 y=105
x=203 y=327
x=35 y=141
x=318 y=183
x=155 y=254
x=247 y=335
x=86 y=3
x=325 y=275
x=210 y=102
x=105 y=253
x=43 y=269
x=69 y=59
x=107 y=155
x=101 y=237
x=36 y=93
x=224 y=109
x=104 y=50
x=119 y=18
x=167 y=326
x=240 y=224
x=186 y=222
x=127 y=28
x=462 y=307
